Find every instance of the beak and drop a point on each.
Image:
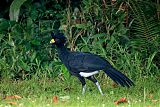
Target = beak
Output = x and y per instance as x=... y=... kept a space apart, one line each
x=52 y=41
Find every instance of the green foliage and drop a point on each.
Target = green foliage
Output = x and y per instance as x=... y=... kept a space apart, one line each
x=94 y=26
x=145 y=27
x=15 y=9
x=25 y=49
x=5 y=25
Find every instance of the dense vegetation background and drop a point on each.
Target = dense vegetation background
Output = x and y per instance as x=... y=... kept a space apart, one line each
x=126 y=33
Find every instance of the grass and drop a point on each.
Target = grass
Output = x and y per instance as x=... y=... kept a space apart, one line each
x=40 y=93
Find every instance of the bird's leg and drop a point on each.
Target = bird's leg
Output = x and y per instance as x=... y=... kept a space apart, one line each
x=93 y=79
x=82 y=80
x=99 y=88
x=83 y=89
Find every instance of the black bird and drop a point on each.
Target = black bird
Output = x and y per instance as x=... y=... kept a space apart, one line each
x=86 y=65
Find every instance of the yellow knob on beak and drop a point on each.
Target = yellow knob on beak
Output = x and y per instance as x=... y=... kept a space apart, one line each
x=52 y=41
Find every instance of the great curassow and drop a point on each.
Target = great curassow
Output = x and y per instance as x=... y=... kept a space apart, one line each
x=86 y=65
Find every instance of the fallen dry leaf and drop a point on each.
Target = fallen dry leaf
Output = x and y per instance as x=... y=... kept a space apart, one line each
x=114 y=85
x=12 y=103
x=13 y=97
x=150 y=96
x=55 y=99
x=121 y=100
x=154 y=101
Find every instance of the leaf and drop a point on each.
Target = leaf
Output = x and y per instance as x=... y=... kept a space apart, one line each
x=13 y=97
x=144 y=29
x=121 y=100
x=150 y=96
x=5 y=24
x=114 y=85
x=36 y=42
x=15 y=9
x=34 y=13
x=63 y=27
x=12 y=103
x=101 y=41
x=11 y=43
x=99 y=35
x=154 y=101
x=24 y=65
x=33 y=56
x=55 y=99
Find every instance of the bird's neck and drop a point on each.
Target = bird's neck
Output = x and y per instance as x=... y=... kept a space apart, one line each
x=62 y=51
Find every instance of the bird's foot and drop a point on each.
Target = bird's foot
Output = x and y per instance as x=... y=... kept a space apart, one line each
x=83 y=89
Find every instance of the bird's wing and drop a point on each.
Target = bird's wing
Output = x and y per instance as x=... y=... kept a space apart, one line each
x=86 y=62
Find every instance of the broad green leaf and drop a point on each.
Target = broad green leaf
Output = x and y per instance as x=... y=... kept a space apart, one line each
x=24 y=65
x=33 y=56
x=11 y=43
x=15 y=9
x=35 y=42
x=5 y=24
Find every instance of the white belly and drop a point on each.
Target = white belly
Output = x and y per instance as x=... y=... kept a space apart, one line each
x=85 y=74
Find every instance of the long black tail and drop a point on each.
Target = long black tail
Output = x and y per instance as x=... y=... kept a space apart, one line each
x=118 y=77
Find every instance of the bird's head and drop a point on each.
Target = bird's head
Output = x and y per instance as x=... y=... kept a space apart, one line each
x=58 y=39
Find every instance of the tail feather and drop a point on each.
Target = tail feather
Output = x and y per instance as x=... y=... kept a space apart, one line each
x=118 y=77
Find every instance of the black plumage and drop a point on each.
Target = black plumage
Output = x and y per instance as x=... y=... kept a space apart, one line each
x=86 y=65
